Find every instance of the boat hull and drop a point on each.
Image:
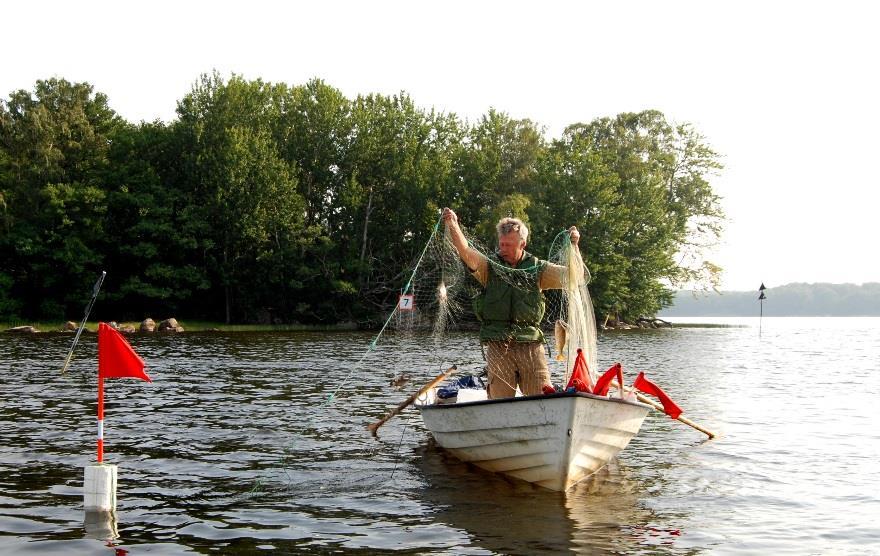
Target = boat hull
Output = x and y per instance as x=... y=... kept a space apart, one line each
x=552 y=441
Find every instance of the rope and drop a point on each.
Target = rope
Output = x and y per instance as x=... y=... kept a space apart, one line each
x=397 y=454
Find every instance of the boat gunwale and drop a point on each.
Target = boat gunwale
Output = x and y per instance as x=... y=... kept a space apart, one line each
x=557 y=395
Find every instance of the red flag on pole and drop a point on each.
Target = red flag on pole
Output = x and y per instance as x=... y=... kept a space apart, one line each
x=580 y=374
x=604 y=381
x=116 y=358
x=644 y=385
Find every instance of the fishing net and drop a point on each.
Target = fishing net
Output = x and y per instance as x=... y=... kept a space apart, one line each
x=438 y=302
x=434 y=325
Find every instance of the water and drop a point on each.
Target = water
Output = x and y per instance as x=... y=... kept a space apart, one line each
x=235 y=448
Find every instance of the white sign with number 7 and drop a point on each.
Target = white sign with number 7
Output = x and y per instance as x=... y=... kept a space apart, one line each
x=406 y=302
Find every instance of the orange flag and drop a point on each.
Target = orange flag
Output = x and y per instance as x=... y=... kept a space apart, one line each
x=116 y=358
x=580 y=374
x=604 y=382
x=644 y=385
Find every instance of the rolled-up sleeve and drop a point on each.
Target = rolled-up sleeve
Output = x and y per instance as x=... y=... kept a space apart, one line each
x=553 y=277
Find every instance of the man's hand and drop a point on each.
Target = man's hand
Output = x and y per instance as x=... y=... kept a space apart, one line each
x=574 y=234
x=449 y=216
x=470 y=257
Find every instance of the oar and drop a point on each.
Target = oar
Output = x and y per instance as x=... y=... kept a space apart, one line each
x=659 y=407
x=403 y=405
x=82 y=326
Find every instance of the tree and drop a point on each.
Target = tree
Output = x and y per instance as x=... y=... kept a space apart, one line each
x=264 y=201
x=152 y=255
x=648 y=195
x=393 y=180
x=249 y=204
x=499 y=160
x=54 y=144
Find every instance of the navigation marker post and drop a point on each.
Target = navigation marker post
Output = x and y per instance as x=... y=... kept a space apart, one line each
x=761 y=298
x=116 y=359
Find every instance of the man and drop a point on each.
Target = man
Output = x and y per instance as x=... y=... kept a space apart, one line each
x=512 y=305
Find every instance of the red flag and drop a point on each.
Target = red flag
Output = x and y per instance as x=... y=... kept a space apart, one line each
x=580 y=374
x=643 y=384
x=116 y=359
x=604 y=381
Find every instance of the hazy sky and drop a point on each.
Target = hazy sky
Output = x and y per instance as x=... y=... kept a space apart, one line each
x=786 y=91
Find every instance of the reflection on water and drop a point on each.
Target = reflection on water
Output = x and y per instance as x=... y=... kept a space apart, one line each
x=503 y=515
x=100 y=525
x=236 y=447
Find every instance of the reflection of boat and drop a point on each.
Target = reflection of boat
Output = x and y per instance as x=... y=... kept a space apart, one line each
x=599 y=515
x=553 y=441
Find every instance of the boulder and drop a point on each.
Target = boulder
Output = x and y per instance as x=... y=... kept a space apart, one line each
x=69 y=326
x=22 y=330
x=127 y=329
x=170 y=325
x=148 y=325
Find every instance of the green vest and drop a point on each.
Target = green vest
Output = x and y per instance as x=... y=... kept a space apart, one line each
x=508 y=312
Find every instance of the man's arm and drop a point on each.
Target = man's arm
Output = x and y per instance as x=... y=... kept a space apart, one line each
x=471 y=257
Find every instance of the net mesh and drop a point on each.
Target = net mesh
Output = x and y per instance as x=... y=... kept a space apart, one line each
x=443 y=290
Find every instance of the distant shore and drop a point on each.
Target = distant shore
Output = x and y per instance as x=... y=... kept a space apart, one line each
x=789 y=300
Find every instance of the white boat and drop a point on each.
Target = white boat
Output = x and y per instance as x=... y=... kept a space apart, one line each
x=553 y=440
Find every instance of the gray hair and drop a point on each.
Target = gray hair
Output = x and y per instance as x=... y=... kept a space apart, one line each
x=507 y=225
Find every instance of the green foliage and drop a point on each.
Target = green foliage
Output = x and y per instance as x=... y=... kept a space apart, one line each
x=150 y=249
x=638 y=186
x=54 y=146
x=268 y=203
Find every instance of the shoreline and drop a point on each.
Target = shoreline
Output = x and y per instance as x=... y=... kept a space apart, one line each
x=198 y=326
x=42 y=327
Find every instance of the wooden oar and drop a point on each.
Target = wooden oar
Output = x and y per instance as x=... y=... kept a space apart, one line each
x=403 y=405
x=659 y=407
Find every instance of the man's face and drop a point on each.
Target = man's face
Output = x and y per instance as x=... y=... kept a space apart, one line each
x=510 y=247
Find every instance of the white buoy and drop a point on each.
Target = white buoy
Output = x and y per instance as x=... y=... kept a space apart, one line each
x=99 y=488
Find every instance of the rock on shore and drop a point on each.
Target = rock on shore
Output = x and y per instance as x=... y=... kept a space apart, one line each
x=170 y=325
x=22 y=330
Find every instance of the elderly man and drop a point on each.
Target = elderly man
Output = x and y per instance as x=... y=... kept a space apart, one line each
x=510 y=314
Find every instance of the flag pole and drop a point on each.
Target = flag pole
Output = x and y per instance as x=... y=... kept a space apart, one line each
x=100 y=418
x=761 y=299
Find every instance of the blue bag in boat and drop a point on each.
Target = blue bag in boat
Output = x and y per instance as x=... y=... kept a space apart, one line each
x=451 y=390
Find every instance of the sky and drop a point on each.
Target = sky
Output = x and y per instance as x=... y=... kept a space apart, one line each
x=785 y=91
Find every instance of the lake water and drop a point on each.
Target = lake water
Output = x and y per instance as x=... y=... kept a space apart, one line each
x=236 y=447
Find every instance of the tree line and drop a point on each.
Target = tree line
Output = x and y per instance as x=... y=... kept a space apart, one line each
x=789 y=300
x=266 y=202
